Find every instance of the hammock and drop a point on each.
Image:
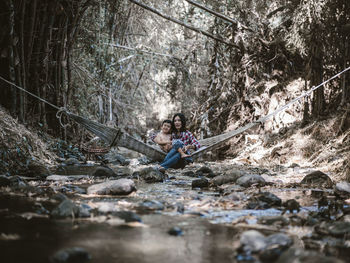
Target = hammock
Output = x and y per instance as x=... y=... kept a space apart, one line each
x=118 y=137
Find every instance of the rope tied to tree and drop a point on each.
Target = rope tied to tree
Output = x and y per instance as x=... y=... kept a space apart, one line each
x=62 y=111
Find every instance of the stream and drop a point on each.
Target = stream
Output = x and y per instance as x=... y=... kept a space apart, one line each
x=172 y=220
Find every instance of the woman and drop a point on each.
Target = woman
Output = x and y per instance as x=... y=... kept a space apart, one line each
x=182 y=141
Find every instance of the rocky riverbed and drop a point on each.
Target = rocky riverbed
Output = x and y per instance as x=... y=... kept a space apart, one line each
x=208 y=212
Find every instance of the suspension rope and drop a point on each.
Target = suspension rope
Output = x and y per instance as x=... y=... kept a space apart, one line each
x=60 y=112
x=32 y=94
x=307 y=93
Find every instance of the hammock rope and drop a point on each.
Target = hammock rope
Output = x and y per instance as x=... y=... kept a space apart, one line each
x=117 y=136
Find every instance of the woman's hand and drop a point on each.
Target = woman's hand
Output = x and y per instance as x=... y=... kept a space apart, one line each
x=187 y=147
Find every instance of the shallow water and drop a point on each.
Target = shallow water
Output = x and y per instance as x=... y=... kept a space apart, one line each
x=208 y=233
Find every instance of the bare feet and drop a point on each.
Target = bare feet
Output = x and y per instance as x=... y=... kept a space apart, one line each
x=184 y=155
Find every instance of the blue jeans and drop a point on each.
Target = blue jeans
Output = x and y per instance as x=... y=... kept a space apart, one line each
x=173 y=158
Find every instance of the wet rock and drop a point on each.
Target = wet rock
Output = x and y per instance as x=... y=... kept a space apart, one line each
x=268 y=248
x=65 y=209
x=200 y=183
x=317 y=179
x=84 y=210
x=113 y=187
x=59 y=197
x=56 y=177
x=36 y=168
x=190 y=174
x=228 y=177
x=71 y=161
x=342 y=189
x=128 y=216
x=103 y=171
x=250 y=179
x=275 y=245
x=123 y=171
x=175 y=231
x=4 y=181
x=180 y=208
x=144 y=160
x=152 y=176
x=206 y=171
x=264 y=200
x=69 y=188
x=274 y=220
x=71 y=255
x=17 y=181
x=252 y=241
x=291 y=205
x=338 y=229
x=298 y=255
x=336 y=247
x=115 y=158
x=149 y=206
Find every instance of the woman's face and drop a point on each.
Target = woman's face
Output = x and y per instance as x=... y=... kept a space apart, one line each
x=177 y=123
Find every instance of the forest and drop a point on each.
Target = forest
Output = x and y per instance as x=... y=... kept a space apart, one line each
x=279 y=69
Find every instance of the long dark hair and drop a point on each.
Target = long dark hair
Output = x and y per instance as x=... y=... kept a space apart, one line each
x=183 y=122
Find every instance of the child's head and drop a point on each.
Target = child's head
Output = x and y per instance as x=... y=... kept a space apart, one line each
x=166 y=126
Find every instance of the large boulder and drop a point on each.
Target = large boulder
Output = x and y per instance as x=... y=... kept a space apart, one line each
x=317 y=179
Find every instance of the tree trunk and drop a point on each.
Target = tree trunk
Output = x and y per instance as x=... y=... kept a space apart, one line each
x=12 y=71
x=316 y=74
x=344 y=87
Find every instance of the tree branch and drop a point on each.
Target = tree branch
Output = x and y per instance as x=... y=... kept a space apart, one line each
x=142 y=51
x=183 y=24
x=226 y=18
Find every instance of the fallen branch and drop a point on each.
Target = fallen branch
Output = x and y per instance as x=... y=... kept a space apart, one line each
x=183 y=24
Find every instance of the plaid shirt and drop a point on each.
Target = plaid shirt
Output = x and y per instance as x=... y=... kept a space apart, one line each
x=187 y=138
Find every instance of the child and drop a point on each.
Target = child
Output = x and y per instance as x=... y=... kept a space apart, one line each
x=163 y=138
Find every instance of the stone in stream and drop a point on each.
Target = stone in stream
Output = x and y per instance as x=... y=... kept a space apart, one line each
x=71 y=161
x=268 y=248
x=151 y=175
x=128 y=216
x=150 y=206
x=65 y=209
x=114 y=187
x=274 y=220
x=206 y=171
x=264 y=200
x=342 y=189
x=291 y=205
x=250 y=179
x=103 y=171
x=35 y=168
x=175 y=231
x=317 y=179
x=337 y=229
x=71 y=255
x=298 y=255
x=228 y=177
x=200 y=183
